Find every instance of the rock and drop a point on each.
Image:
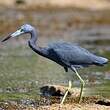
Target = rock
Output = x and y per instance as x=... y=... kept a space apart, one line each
x=9 y=90
x=103 y=102
x=57 y=90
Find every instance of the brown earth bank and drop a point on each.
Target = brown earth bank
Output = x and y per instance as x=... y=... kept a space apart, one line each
x=62 y=23
x=90 y=4
x=75 y=107
x=88 y=103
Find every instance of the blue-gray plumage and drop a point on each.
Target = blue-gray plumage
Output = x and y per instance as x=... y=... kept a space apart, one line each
x=71 y=54
x=66 y=54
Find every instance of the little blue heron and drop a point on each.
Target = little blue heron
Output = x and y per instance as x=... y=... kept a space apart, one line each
x=68 y=55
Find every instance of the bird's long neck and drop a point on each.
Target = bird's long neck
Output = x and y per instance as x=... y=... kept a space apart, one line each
x=32 y=44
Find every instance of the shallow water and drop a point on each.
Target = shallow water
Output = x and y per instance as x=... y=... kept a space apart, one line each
x=22 y=72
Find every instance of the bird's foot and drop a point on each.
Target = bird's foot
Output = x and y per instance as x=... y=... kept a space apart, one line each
x=64 y=97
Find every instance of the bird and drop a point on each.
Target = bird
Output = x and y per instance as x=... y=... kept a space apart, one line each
x=68 y=55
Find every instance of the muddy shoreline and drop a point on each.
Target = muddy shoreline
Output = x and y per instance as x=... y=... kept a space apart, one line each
x=88 y=103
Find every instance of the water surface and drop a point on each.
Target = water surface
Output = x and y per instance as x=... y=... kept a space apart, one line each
x=22 y=72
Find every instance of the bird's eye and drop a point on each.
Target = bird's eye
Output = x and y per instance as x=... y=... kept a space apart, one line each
x=22 y=30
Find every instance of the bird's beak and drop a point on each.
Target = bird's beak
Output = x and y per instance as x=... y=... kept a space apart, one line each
x=6 y=38
x=15 y=34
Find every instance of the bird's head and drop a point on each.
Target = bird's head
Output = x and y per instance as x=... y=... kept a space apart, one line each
x=26 y=28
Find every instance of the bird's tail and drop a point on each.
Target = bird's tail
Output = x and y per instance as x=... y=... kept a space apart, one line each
x=100 y=61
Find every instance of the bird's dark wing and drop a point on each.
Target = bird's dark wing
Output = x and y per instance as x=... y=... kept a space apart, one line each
x=72 y=54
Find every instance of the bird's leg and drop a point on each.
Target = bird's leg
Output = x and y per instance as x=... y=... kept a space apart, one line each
x=81 y=80
x=64 y=97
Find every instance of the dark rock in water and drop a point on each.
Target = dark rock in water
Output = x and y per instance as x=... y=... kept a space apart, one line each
x=19 y=2
x=8 y=90
x=57 y=90
x=50 y=91
x=103 y=102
